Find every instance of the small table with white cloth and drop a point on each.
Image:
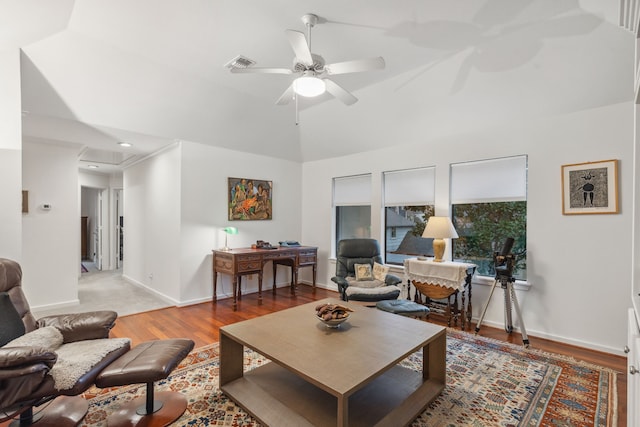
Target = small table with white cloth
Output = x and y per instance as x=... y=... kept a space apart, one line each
x=442 y=281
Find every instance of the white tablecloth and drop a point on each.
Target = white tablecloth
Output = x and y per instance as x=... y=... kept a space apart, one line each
x=447 y=274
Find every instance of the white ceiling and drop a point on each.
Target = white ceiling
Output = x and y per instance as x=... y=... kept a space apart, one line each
x=151 y=72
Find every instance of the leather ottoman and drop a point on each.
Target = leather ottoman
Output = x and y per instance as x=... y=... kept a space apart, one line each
x=147 y=362
x=403 y=307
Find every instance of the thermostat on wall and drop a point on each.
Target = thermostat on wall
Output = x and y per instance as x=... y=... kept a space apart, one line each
x=46 y=206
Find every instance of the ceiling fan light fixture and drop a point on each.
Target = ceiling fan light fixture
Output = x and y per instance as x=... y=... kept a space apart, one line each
x=309 y=86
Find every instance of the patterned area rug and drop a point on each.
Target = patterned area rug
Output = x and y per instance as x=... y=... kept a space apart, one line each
x=489 y=383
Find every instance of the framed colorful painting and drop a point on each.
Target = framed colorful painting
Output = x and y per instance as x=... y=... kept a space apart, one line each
x=590 y=188
x=249 y=199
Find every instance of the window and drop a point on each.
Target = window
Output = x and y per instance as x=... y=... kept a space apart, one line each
x=489 y=204
x=408 y=203
x=352 y=202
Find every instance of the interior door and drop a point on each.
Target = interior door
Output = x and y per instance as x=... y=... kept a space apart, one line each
x=98 y=231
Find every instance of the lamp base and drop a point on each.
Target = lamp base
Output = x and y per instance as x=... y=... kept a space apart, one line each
x=438 y=250
x=225 y=249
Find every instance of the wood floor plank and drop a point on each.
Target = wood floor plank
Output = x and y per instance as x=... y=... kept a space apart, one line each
x=201 y=323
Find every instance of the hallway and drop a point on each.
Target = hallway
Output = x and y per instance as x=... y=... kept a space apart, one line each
x=108 y=290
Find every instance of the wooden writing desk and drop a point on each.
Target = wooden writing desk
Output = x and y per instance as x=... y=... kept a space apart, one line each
x=245 y=261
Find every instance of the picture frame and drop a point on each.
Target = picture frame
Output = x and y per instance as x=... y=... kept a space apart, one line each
x=590 y=188
x=249 y=199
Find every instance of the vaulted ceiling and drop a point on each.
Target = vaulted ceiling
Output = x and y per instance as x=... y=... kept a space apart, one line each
x=151 y=72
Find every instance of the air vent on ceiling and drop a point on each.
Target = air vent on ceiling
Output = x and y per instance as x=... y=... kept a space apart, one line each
x=240 y=62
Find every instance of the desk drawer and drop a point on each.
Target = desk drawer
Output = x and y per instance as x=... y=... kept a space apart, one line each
x=224 y=264
x=249 y=265
x=307 y=259
x=276 y=255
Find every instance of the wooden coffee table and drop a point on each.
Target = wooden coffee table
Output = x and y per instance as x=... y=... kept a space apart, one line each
x=319 y=376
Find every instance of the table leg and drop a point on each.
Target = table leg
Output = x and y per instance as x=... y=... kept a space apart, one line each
x=434 y=357
x=343 y=411
x=260 y=287
x=469 y=306
x=231 y=360
x=463 y=311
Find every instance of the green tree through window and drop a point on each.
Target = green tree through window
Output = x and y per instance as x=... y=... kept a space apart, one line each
x=482 y=230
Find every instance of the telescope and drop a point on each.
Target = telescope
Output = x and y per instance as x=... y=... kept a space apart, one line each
x=504 y=263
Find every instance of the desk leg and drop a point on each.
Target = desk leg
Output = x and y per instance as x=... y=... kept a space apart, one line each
x=315 y=271
x=260 y=287
x=215 y=285
x=294 y=278
x=275 y=270
x=234 y=286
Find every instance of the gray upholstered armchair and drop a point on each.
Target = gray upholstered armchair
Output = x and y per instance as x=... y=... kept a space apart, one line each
x=54 y=356
x=351 y=277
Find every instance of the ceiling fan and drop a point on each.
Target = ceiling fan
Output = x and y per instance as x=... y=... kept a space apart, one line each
x=311 y=70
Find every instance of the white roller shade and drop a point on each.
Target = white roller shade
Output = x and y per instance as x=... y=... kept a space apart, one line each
x=495 y=180
x=410 y=187
x=352 y=190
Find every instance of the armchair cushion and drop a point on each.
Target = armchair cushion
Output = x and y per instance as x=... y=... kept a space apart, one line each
x=390 y=279
x=24 y=357
x=82 y=326
x=380 y=271
x=363 y=272
x=11 y=325
x=374 y=283
x=48 y=337
x=372 y=294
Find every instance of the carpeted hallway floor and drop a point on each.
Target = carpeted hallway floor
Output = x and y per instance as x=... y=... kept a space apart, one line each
x=107 y=290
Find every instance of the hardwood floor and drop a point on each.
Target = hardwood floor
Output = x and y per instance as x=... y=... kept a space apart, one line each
x=201 y=323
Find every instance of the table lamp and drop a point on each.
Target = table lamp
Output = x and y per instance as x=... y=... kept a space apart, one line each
x=227 y=231
x=439 y=228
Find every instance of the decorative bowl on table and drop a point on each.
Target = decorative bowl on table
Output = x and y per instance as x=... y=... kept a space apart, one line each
x=332 y=315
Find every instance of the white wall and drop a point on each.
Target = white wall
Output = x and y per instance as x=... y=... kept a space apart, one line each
x=152 y=231
x=176 y=205
x=205 y=171
x=10 y=156
x=578 y=266
x=50 y=238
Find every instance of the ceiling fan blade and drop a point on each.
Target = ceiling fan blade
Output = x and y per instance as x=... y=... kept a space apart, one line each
x=262 y=70
x=299 y=45
x=355 y=66
x=286 y=97
x=336 y=90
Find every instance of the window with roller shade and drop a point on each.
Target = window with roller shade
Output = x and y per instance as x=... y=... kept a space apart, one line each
x=352 y=207
x=489 y=204
x=409 y=196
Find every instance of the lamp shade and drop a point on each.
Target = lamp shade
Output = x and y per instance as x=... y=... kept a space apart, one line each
x=309 y=86
x=230 y=230
x=227 y=231
x=440 y=227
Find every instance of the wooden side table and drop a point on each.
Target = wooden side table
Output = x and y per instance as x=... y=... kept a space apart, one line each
x=439 y=281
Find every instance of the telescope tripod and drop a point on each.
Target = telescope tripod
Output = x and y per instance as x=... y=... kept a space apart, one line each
x=510 y=299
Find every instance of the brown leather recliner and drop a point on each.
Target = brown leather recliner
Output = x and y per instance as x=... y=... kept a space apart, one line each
x=31 y=351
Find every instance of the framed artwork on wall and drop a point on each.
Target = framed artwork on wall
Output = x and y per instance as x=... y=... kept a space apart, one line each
x=249 y=199
x=590 y=188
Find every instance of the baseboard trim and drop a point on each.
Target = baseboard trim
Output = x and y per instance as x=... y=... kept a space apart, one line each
x=160 y=295
x=56 y=306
